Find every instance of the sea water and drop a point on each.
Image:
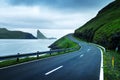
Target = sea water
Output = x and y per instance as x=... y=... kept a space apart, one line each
x=22 y=46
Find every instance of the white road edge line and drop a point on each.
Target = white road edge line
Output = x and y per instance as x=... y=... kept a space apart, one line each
x=101 y=70
x=82 y=55
x=53 y=70
x=88 y=50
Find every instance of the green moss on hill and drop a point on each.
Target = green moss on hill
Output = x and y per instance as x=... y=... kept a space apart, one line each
x=62 y=43
x=104 y=29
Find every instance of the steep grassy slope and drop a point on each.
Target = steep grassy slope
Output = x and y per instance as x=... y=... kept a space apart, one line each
x=6 y=34
x=104 y=29
x=62 y=43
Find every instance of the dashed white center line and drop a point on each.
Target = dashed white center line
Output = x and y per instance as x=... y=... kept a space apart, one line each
x=81 y=55
x=53 y=70
x=88 y=50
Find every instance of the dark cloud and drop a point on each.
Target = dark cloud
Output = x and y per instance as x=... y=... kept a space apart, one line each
x=62 y=4
x=26 y=22
x=67 y=13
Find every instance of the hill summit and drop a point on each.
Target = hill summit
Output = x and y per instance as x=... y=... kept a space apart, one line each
x=104 y=29
x=40 y=35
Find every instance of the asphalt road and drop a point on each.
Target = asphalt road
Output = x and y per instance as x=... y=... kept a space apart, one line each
x=83 y=64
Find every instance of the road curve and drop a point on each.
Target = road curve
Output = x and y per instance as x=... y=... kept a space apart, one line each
x=83 y=64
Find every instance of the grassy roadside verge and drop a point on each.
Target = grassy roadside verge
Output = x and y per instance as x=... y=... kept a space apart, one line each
x=111 y=72
x=63 y=43
x=27 y=59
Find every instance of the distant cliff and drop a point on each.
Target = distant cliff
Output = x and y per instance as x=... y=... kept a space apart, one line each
x=6 y=34
x=40 y=35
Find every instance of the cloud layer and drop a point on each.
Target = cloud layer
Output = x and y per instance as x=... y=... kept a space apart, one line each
x=48 y=13
x=61 y=4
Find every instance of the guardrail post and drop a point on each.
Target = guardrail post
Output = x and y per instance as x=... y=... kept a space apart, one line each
x=37 y=54
x=18 y=57
x=64 y=50
x=50 y=53
x=70 y=50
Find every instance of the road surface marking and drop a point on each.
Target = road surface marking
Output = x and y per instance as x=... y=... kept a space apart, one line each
x=88 y=50
x=81 y=55
x=53 y=70
x=101 y=69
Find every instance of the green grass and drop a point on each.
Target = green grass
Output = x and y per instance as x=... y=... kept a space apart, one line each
x=63 y=43
x=111 y=73
x=14 y=61
x=22 y=60
x=104 y=29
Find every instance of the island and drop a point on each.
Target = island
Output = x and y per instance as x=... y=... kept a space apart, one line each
x=40 y=35
x=7 y=34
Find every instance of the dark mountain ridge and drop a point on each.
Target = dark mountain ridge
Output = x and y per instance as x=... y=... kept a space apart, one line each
x=6 y=34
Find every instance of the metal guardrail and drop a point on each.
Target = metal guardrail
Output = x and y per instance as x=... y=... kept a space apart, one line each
x=18 y=55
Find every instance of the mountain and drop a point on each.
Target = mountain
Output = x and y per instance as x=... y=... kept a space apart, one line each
x=40 y=35
x=104 y=29
x=6 y=34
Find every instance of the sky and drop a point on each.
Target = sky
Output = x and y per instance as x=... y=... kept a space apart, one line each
x=48 y=14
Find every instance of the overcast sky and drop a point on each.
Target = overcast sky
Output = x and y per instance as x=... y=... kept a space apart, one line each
x=48 y=14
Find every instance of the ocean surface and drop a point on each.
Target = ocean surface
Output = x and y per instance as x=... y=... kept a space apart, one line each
x=14 y=46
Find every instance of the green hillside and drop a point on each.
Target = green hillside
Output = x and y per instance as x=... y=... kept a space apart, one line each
x=6 y=34
x=104 y=29
x=63 y=43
